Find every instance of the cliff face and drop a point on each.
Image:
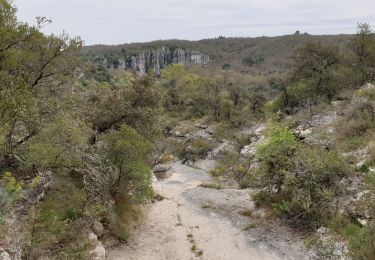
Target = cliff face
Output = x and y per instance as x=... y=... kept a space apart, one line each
x=156 y=60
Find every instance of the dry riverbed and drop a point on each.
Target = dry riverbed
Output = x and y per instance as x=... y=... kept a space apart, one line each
x=202 y=223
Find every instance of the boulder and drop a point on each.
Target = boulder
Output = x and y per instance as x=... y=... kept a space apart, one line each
x=260 y=129
x=155 y=184
x=177 y=134
x=162 y=171
x=4 y=255
x=362 y=221
x=248 y=150
x=302 y=132
x=98 y=228
x=200 y=126
x=322 y=119
x=204 y=134
x=97 y=251
x=210 y=131
x=225 y=145
x=361 y=164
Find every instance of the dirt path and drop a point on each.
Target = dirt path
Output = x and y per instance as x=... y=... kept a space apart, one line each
x=181 y=228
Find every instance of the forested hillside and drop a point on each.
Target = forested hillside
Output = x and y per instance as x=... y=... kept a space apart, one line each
x=264 y=55
x=267 y=150
x=75 y=153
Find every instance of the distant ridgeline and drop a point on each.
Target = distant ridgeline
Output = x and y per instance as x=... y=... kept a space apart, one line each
x=266 y=56
x=155 y=60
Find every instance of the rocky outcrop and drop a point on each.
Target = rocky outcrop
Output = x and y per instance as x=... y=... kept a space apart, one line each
x=163 y=171
x=4 y=255
x=258 y=137
x=98 y=250
x=155 y=60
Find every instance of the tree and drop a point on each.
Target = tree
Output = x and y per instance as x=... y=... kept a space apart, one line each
x=136 y=104
x=363 y=48
x=315 y=64
x=34 y=71
x=173 y=73
x=129 y=152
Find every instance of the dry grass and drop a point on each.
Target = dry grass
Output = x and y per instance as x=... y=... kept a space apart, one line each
x=246 y=212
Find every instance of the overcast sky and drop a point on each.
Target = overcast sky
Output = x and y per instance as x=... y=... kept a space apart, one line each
x=123 y=21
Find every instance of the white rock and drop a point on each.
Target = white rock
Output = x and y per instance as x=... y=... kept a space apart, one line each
x=98 y=228
x=163 y=171
x=323 y=230
x=362 y=221
x=260 y=129
x=156 y=186
x=201 y=126
x=98 y=253
x=361 y=163
x=4 y=255
x=248 y=150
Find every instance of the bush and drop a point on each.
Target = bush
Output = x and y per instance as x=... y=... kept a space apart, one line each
x=129 y=153
x=123 y=218
x=231 y=166
x=197 y=149
x=300 y=180
x=11 y=188
x=56 y=231
x=313 y=183
x=276 y=156
x=362 y=245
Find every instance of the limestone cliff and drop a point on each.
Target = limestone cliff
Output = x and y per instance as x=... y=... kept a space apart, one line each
x=155 y=60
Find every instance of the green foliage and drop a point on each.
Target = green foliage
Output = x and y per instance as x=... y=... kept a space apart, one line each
x=56 y=231
x=11 y=187
x=135 y=104
x=313 y=184
x=123 y=218
x=362 y=244
x=128 y=151
x=251 y=61
x=300 y=180
x=276 y=156
x=232 y=167
x=35 y=69
x=173 y=73
x=219 y=97
x=363 y=50
x=58 y=144
x=197 y=148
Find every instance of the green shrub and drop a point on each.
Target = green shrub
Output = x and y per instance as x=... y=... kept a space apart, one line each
x=300 y=180
x=198 y=148
x=231 y=166
x=275 y=105
x=362 y=244
x=129 y=152
x=312 y=184
x=276 y=156
x=11 y=187
x=123 y=219
x=56 y=231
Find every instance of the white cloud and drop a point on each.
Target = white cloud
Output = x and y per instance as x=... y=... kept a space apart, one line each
x=119 y=21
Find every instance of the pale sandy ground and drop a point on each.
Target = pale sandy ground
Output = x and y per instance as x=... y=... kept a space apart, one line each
x=168 y=224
